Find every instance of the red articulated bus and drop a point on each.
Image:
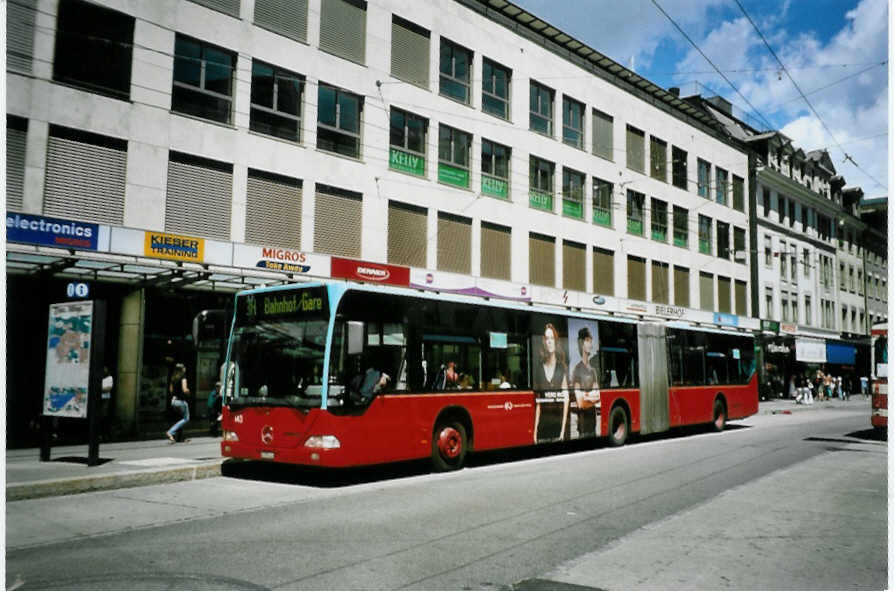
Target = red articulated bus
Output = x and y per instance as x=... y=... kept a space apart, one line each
x=340 y=374
x=879 y=365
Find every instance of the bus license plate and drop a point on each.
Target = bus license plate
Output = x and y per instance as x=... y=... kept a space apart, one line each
x=266 y=455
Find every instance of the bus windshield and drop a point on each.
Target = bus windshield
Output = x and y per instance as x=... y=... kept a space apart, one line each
x=277 y=350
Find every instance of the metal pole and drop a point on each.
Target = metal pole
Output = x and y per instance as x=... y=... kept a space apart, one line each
x=94 y=393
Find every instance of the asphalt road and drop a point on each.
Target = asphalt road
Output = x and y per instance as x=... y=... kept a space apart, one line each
x=775 y=502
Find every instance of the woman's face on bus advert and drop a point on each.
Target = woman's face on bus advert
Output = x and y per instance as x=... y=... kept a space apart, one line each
x=549 y=340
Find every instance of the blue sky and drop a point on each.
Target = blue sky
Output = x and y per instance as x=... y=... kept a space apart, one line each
x=833 y=50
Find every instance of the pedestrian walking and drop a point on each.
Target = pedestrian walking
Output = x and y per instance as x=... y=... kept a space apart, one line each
x=178 y=388
x=214 y=408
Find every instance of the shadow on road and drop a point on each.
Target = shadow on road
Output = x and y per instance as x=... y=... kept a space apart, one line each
x=337 y=477
x=870 y=434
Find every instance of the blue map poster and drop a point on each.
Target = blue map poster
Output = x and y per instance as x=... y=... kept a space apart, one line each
x=68 y=360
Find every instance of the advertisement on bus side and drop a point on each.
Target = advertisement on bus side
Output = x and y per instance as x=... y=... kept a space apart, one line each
x=565 y=378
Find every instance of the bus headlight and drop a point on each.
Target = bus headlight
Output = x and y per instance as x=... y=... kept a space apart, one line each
x=230 y=436
x=323 y=442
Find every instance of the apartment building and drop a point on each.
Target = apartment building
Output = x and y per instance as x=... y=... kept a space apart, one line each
x=810 y=243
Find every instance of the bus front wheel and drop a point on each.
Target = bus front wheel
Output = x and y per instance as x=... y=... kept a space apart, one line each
x=448 y=446
x=618 y=427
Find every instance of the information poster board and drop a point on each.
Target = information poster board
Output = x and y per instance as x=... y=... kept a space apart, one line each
x=68 y=359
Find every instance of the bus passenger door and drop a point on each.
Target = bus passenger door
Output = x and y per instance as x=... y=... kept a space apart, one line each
x=653 y=394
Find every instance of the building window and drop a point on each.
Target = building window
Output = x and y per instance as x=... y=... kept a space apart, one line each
x=338 y=221
x=705 y=242
x=289 y=18
x=572 y=193
x=681 y=286
x=603 y=135
x=602 y=202
x=740 y=253
x=795 y=317
x=338 y=121
x=635 y=212
x=94 y=48
x=454 y=243
x=495 y=89
x=680 y=168
x=230 y=7
x=783 y=258
x=781 y=209
x=496 y=251
x=408 y=141
x=659 y=220
x=808 y=312
x=541 y=119
x=574 y=265
x=841 y=277
x=573 y=122
x=273 y=210
x=456 y=71
x=741 y=298
x=541 y=183
x=704 y=179
x=16 y=142
x=765 y=200
x=636 y=278
x=85 y=176
x=20 y=25
x=495 y=169
x=660 y=282
x=784 y=302
x=343 y=29
x=275 y=101
x=203 y=80
x=706 y=291
x=636 y=151
x=723 y=240
x=658 y=158
x=199 y=197
x=768 y=300
x=681 y=226
x=409 y=52
x=603 y=271
x=453 y=156
x=768 y=251
x=738 y=193
x=724 y=295
x=793 y=268
x=541 y=259
x=722 y=188
x=805 y=262
x=407 y=234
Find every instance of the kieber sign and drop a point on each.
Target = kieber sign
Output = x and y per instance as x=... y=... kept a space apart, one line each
x=36 y=229
x=371 y=272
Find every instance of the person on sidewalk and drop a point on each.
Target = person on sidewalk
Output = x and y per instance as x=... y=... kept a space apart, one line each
x=214 y=408
x=178 y=388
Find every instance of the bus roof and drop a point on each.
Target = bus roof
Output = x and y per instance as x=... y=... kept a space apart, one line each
x=345 y=286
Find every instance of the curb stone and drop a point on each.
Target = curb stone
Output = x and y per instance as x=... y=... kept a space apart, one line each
x=82 y=484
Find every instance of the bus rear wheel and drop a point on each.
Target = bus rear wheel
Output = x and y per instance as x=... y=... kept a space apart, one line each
x=719 y=422
x=618 y=427
x=448 y=446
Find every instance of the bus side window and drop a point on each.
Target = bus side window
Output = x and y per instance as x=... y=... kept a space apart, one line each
x=617 y=354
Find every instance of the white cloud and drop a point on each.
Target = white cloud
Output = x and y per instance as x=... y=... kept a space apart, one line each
x=853 y=109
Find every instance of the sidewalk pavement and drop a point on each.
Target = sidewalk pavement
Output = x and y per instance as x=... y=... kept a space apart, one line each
x=139 y=463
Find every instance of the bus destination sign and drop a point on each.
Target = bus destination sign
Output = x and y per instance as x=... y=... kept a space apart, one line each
x=311 y=301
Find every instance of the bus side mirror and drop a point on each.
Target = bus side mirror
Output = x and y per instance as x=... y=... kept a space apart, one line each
x=355 y=337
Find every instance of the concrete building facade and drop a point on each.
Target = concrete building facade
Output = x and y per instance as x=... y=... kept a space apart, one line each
x=219 y=144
